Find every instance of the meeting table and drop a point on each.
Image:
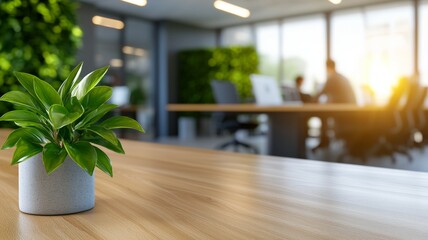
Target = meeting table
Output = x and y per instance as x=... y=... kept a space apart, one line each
x=287 y=123
x=170 y=192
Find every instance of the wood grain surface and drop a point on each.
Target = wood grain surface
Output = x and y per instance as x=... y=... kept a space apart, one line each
x=306 y=108
x=167 y=192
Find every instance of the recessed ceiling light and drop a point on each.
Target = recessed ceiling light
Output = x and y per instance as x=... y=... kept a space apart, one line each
x=335 y=1
x=231 y=8
x=116 y=63
x=133 y=51
x=140 y=3
x=108 y=22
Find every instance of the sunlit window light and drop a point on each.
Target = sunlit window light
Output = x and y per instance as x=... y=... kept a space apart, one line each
x=108 y=22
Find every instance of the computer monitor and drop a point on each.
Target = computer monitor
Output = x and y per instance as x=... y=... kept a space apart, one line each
x=266 y=90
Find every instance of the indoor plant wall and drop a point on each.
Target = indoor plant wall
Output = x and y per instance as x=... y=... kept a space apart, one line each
x=196 y=69
x=56 y=144
x=37 y=37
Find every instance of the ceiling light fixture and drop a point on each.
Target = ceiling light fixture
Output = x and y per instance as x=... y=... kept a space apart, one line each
x=231 y=8
x=116 y=63
x=335 y=1
x=133 y=51
x=140 y=3
x=108 y=22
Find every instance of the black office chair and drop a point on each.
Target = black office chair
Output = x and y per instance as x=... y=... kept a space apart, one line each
x=225 y=93
x=382 y=133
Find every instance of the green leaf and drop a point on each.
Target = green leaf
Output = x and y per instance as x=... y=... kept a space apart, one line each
x=121 y=122
x=88 y=82
x=83 y=154
x=53 y=157
x=104 y=133
x=96 y=97
x=72 y=78
x=60 y=116
x=74 y=106
x=20 y=116
x=46 y=93
x=103 y=162
x=26 y=81
x=25 y=150
x=29 y=134
x=101 y=142
x=95 y=115
x=20 y=99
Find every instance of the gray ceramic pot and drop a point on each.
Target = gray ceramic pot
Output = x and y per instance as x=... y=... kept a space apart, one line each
x=67 y=190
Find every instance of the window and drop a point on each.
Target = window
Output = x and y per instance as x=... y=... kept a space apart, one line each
x=304 y=51
x=423 y=42
x=267 y=44
x=373 y=47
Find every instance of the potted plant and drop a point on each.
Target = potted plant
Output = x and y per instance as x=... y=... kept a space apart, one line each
x=57 y=142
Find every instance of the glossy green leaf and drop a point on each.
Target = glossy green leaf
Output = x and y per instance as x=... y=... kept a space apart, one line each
x=74 y=106
x=72 y=79
x=53 y=157
x=29 y=134
x=25 y=150
x=60 y=116
x=88 y=83
x=101 y=142
x=104 y=133
x=26 y=80
x=95 y=115
x=20 y=116
x=121 y=122
x=83 y=154
x=96 y=97
x=46 y=94
x=103 y=162
x=20 y=99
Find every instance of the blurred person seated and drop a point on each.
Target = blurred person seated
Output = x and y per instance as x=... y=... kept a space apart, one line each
x=337 y=89
x=304 y=97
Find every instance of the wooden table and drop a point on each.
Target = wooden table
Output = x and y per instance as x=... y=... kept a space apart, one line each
x=287 y=123
x=166 y=192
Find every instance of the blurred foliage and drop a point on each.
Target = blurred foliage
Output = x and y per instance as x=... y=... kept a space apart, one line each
x=39 y=37
x=198 y=67
x=138 y=94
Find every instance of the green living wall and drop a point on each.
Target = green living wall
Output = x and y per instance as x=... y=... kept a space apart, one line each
x=198 y=67
x=40 y=37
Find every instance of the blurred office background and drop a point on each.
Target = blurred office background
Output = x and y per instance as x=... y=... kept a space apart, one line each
x=374 y=42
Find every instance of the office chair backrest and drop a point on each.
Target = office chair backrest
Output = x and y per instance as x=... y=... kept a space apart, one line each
x=224 y=92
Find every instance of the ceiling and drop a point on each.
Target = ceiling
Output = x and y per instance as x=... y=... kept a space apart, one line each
x=202 y=13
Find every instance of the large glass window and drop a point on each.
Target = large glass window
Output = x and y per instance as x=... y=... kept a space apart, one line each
x=374 y=48
x=423 y=42
x=267 y=44
x=304 y=51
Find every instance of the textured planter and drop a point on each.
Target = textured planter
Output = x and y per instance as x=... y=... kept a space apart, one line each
x=67 y=190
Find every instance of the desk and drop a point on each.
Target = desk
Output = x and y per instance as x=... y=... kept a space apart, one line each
x=287 y=130
x=166 y=192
